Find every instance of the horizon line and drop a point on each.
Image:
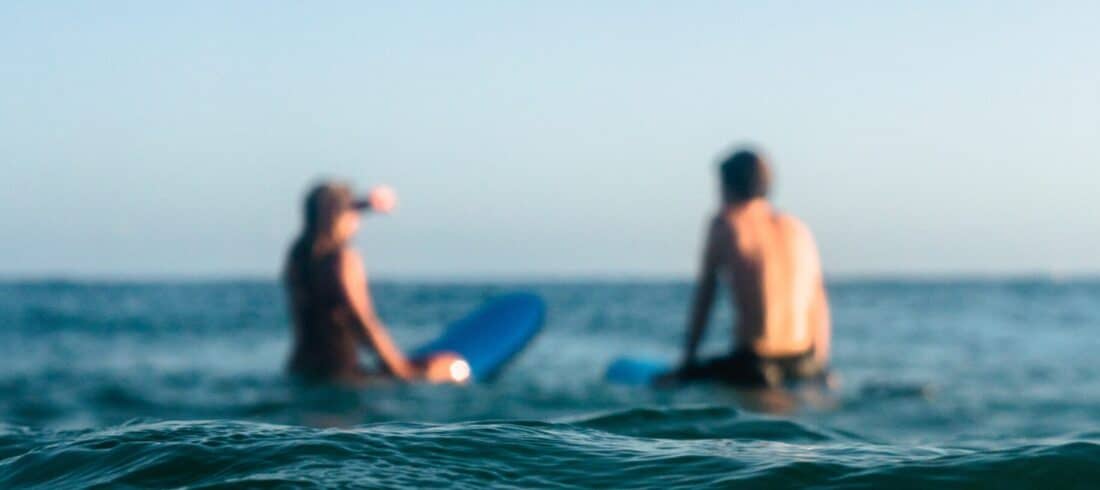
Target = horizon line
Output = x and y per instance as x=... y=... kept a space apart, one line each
x=860 y=276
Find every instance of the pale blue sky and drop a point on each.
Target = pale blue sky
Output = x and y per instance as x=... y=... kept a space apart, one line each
x=549 y=138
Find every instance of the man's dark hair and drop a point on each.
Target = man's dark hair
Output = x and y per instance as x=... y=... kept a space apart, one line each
x=745 y=176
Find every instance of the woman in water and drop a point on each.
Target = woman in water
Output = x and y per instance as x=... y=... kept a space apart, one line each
x=330 y=303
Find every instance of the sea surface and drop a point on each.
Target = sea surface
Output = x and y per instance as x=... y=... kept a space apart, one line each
x=976 y=384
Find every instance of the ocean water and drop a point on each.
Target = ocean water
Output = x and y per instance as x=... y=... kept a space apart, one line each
x=984 y=384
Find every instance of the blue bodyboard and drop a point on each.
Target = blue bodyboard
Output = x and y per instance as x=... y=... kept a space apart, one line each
x=636 y=372
x=492 y=335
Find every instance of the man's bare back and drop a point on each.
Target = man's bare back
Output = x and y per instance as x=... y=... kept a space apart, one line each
x=771 y=264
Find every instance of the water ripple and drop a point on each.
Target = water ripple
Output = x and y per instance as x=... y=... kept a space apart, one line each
x=596 y=451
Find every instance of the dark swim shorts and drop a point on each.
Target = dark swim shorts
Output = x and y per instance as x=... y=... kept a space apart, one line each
x=746 y=368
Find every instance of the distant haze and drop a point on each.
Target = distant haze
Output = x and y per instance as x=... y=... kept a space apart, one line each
x=552 y=139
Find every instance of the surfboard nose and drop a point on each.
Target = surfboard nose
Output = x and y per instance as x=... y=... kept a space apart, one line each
x=635 y=372
x=493 y=334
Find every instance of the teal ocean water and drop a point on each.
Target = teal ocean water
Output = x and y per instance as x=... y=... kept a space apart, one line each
x=977 y=384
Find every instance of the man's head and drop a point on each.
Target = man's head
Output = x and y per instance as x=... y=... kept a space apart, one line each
x=745 y=176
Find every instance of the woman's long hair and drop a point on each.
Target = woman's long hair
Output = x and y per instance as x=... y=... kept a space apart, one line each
x=323 y=207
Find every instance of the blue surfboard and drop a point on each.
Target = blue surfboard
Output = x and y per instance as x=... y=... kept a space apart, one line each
x=492 y=335
x=633 y=371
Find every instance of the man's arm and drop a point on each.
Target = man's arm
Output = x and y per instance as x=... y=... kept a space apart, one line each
x=819 y=319
x=353 y=283
x=706 y=285
x=821 y=323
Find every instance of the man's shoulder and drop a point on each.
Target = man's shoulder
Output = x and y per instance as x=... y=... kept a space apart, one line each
x=721 y=226
x=792 y=224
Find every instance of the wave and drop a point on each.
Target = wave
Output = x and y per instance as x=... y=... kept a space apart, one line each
x=696 y=447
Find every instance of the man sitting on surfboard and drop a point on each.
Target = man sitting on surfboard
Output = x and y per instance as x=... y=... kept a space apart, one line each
x=771 y=264
x=330 y=302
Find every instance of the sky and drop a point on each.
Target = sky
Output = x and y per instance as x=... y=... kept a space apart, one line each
x=546 y=139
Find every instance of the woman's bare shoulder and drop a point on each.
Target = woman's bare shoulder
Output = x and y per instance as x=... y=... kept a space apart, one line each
x=348 y=255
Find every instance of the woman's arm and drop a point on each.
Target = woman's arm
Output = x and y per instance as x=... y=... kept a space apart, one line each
x=353 y=283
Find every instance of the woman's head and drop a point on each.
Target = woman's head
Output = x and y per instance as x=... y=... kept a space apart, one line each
x=331 y=216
